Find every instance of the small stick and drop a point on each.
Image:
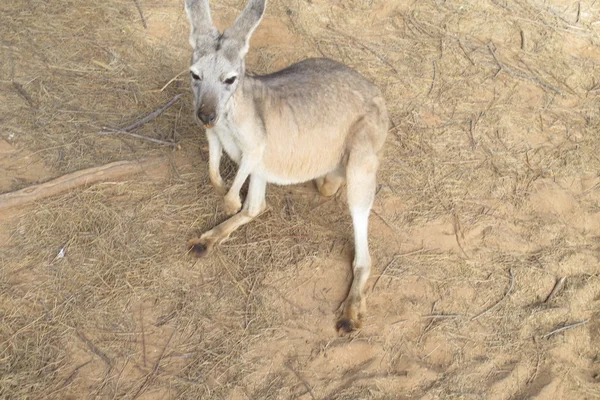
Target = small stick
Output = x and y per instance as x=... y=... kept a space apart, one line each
x=383 y=272
x=23 y=92
x=430 y=324
x=247 y=322
x=557 y=287
x=585 y=192
x=95 y=349
x=143 y=333
x=441 y=316
x=564 y=328
x=365 y=47
x=149 y=139
x=391 y=262
x=500 y=5
x=141 y=15
x=306 y=385
x=75 y=371
x=172 y=80
x=462 y=47
x=500 y=66
x=155 y=369
x=430 y=353
x=472 y=140
x=456 y=224
x=147 y=118
x=512 y=283
x=434 y=76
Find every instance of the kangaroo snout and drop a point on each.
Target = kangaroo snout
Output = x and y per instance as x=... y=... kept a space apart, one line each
x=207 y=119
x=207 y=115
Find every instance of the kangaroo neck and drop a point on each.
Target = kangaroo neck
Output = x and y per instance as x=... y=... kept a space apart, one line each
x=249 y=96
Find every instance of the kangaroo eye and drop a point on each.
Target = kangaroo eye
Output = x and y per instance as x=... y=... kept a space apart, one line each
x=195 y=77
x=231 y=80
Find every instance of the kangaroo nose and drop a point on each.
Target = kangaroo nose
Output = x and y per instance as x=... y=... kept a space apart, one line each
x=207 y=119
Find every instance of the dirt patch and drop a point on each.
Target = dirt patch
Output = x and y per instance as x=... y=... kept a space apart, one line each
x=488 y=200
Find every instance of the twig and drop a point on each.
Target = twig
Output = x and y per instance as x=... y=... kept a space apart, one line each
x=585 y=192
x=433 y=79
x=141 y=15
x=23 y=92
x=75 y=371
x=502 y=67
x=564 y=328
x=557 y=287
x=173 y=79
x=391 y=262
x=306 y=385
x=430 y=353
x=512 y=283
x=247 y=322
x=472 y=140
x=365 y=47
x=429 y=325
x=155 y=368
x=496 y=2
x=135 y=135
x=383 y=272
x=143 y=333
x=95 y=349
x=456 y=224
x=385 y=221
x=233 y=278
x=435 y=316
x=142 y=121
x=462 y=47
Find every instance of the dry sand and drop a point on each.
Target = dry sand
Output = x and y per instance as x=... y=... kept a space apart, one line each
x=488 y=199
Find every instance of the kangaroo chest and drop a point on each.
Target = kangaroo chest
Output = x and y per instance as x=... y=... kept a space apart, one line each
x=230 y=140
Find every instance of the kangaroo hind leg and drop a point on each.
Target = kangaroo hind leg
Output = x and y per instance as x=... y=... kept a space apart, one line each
x=361 y=173
x=329 y=184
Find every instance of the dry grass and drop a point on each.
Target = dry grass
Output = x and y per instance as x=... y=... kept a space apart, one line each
x=491 y=166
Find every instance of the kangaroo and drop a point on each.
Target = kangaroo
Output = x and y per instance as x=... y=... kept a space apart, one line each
x=315 y=120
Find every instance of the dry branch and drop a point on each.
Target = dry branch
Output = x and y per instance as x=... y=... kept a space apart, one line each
x=142 y=121
x=76 y=179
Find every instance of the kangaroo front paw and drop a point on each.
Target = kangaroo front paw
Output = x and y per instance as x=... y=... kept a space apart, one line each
x=200 y=247
x=219 y=187
x=232 y=205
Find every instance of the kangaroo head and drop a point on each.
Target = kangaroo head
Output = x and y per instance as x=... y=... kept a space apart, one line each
x=217 y=67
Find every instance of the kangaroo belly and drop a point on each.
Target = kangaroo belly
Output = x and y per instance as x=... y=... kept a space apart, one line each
x=289 y=163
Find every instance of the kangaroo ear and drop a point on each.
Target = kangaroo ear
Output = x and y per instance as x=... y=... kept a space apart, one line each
x=198 y=12
x=239 y=33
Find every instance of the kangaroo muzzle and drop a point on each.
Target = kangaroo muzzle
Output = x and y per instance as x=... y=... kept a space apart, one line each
x=207 y=114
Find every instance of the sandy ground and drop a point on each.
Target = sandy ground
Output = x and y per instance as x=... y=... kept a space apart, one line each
x=485 y=233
